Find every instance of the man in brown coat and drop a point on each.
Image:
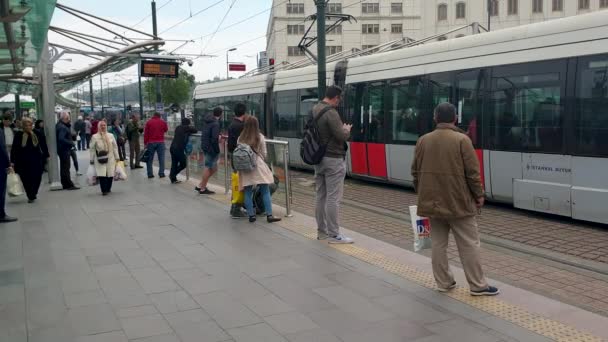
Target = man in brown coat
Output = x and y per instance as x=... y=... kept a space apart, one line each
x=448 y=182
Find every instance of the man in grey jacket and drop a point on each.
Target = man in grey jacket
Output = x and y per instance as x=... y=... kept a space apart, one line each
x=330 y=173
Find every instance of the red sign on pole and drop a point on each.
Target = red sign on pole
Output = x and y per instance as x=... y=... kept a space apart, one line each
x=237 y=67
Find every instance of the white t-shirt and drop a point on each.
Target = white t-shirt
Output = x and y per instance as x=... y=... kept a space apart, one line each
x=8 y=136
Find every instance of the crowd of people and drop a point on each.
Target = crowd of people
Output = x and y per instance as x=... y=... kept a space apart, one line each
x=445 y=171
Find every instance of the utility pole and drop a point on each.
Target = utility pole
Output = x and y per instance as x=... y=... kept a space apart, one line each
x=321 y=60
x=92 y=97
x=159 y=100
x=50 y=118
x=141 y=96
x=489 y=13
x=124 y=100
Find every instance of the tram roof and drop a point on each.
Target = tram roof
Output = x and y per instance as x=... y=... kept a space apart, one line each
x=533 y=42
x=239 y=86
x=302 y=78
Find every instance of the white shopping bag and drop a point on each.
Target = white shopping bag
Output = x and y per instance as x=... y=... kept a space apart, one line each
x=422 y=230
x=91 y=176
x=14 y=185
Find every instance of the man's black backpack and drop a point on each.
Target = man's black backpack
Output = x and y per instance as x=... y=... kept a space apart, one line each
x=312 y=150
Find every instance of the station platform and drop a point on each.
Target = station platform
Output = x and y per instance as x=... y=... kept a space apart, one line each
x=155 y=262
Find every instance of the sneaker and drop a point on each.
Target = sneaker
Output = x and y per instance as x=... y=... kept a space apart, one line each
x=322 y=236
x=489 y=291
x=197 y=189
x=8 y=219
x=340 y=240
x=237 y=213
x=176 y=182
x=206 y=192
x=150 y=177
x=73 y=187
x=252 y=219
x=161 y=176
x=272 y=219
x=451 y=287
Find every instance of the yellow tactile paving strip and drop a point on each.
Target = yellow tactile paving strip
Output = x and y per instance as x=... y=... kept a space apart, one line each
x=493 y=305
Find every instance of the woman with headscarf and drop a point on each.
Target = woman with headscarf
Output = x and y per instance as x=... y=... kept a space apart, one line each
x=29 y=154
x=118 y=132
x=104 y=154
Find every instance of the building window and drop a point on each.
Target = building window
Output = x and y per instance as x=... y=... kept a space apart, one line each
x=442 y=12
x=370 y=28
x=370 y=8
x=332 y=50
x=295 y=29
x=397 y=7
x=334 y=8
x=396 y=28
x=603 y=3
x=336 y=30
x=366 y=47
x=461 y=10
x=583 y=4
x=513 y=7
x=494 y=8
x=537 y=6
x=295 y=8
x=293 y=51
x=558 y=5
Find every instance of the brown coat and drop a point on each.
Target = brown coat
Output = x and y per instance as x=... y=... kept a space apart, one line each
x=446 y=174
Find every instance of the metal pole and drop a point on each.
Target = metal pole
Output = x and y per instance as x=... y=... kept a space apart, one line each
x=287 y=180
x=124 y=101
x=50 y=119
x=109 y=94
x=227 y=167
x=227 y=65
x=101 y=100
x=321 y=58
x=17 y=107
x=92 y=97
x=141 y=95
x=489 y=13
x=155 y=33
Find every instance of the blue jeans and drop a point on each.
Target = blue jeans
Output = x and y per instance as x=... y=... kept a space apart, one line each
x=159 y=148
x=82 y=144
x=265 y=189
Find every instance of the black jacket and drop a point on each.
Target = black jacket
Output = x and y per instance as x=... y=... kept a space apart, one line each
x=4 y=159
x=180 y=138
x=234 y=131
x=80 y=126
x=29 y=157
x=64 y=138
x=210 y=139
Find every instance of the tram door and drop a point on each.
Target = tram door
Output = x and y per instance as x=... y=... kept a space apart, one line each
x=368 y=149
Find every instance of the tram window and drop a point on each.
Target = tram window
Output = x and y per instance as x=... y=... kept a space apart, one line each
x=356 y=113
x=200 y=111
x=440 y=87
x=469 y=103
x=526 y=113
x=285 y=122
x=592 y=106
x=405 y=109
x=255 y=106
x=308 y=99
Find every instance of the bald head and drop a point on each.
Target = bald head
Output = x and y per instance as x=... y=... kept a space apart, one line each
x=64 y=117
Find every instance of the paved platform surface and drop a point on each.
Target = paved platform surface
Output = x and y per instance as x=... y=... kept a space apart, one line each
x=155 y=262
x=556 y=257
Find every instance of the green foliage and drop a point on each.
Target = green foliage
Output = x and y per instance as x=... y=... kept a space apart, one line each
x=177 y=90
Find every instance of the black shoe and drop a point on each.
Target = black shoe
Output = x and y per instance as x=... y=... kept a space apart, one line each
x=206 y=192
x=104 y=194
x=138 y=167
x=161 y=176
x=73 y=187
x=176 y=181
x=150 y=177
x=272 y=219
x=197 y=189
x=252 y=219
x=8 y=219
x=31 y=200
x=237 y=213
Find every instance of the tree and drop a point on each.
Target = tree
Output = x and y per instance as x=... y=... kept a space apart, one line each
x=177 y=90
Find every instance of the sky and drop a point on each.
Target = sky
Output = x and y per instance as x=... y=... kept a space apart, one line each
x=130 y=12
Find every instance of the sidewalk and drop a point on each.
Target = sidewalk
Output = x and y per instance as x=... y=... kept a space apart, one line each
x=156 y=262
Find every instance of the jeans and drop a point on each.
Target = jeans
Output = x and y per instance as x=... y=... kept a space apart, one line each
x=178 y=164
x=64 y=166
x=88 y=137
x=82 y=144
x=159 y=148
x=74 y=159
x=329 y=181
x=105 y=183
x=265 y=190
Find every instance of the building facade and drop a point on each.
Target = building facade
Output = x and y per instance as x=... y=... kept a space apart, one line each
x=381 y=21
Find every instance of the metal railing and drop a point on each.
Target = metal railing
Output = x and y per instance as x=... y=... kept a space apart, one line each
x=278 y=159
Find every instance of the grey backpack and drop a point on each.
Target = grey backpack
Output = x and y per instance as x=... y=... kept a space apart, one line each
x=244 y=158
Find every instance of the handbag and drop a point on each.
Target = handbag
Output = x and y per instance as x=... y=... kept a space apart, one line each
x=102 y=157
x=146 y=155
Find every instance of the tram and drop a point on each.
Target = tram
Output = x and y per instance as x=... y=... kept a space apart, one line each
x=533 y=99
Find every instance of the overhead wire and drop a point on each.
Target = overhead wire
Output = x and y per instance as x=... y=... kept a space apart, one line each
x=192 y=16
x=276 y=31
x=150 y=14
x=218 y=26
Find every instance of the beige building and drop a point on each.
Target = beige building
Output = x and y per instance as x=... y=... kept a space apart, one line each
x=381 y=21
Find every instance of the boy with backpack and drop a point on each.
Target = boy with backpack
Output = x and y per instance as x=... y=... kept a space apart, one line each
x=210 y=146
